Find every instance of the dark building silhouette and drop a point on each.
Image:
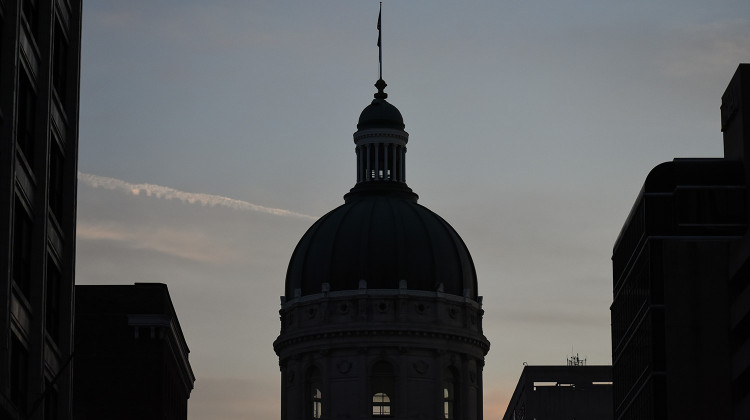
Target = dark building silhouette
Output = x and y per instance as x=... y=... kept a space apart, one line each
x=562 y=393
x=735 y=123
x=381 y=315
x=680 y=313
x=131 y=357
x=39 y=78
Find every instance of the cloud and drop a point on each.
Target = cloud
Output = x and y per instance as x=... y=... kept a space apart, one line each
x=699 y=51
x=180 y=244
x=168 y=193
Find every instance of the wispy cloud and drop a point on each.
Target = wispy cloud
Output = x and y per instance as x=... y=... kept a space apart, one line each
x=186 y=245
x=168 y=193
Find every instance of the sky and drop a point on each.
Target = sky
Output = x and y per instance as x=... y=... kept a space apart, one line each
x=213 y=134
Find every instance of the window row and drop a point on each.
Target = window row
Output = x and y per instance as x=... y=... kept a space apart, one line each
x=19 y=383
x=23 y=271
x=382 y=382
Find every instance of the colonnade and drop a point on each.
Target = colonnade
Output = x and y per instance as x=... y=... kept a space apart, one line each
x=381 y=162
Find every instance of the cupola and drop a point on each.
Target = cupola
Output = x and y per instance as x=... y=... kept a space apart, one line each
x=381 y=238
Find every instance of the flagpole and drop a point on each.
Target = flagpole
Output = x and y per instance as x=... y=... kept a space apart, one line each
x=380 y=42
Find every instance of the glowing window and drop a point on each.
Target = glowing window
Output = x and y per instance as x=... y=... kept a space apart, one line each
x=317 y=403
x=449 y=394
x=381 y=404
x=382 y=388
x=314 y=403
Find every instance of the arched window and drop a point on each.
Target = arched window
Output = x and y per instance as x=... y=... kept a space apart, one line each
x=448 y=405
x=315 y=401
x=382 y=389
x=449 y=394
x=381 y=404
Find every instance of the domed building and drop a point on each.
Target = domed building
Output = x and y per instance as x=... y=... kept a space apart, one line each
x=381 y=315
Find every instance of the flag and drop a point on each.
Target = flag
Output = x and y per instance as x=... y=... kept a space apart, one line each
x=379 y=13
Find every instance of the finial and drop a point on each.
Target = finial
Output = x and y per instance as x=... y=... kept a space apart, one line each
x=380 y=84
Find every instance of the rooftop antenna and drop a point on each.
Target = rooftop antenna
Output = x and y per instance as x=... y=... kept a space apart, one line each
x=576 y=361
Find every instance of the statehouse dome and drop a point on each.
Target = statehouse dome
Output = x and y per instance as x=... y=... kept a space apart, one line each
x=382 y=239
x=381 y=235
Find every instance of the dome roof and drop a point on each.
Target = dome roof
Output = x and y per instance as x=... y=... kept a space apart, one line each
x=380 y=114
x=382 y=236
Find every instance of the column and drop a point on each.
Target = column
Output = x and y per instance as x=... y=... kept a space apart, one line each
x=359 y=164
x=377 y=161
x=393 y=171
x=368 y=173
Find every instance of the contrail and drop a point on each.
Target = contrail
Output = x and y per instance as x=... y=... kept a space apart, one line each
x=160 y=191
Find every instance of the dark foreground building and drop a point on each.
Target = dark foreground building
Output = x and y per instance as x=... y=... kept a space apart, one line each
x=562 y=393
x=681 y=271
x=39 y=74
x=381 y=316
x=131 y=358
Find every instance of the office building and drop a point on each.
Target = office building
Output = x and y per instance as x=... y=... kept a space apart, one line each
x=735 y=124
x=131 y=357
x=680 y=322
x=39 y=77
x=577 y=392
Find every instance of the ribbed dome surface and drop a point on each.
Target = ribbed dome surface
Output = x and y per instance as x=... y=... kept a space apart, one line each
x=381 y=238
x=380 y=114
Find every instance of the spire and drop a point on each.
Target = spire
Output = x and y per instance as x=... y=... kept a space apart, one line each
x=380 y=138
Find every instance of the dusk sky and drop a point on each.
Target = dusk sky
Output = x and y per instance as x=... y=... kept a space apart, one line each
x=213 y=134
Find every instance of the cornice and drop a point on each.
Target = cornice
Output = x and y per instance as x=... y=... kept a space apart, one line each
x=175 y=339
x=282 y=342
x=377 y=135
x=380 y=294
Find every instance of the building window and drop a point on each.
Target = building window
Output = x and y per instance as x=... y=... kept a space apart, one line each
x=2 y=59
x=382 y=388
x=448 y=403
x=50 y=402
x=22 y=249
x=314 y=385
x=56 y=184
x=31 y=16
x=52 y=300
x=317 y=403
x=26 y=109
x=449 y=394
x=381 y=404
x=60 y=64
x=19 y=360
